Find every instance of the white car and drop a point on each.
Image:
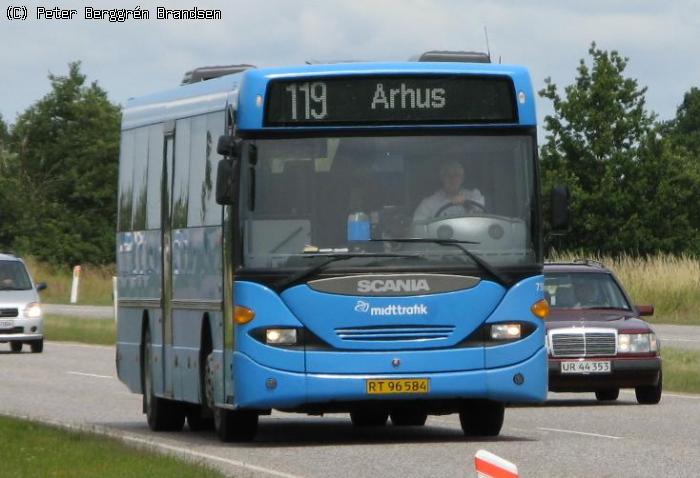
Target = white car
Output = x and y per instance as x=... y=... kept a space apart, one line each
x=21 y=320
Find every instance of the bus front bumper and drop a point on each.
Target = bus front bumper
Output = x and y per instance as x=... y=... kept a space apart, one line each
x=259 y=387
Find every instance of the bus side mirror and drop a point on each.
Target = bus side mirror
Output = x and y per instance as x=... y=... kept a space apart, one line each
x=225 y=182
x=560 y=208
x=228 y=146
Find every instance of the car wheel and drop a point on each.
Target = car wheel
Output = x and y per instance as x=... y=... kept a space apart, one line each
x=16 y=346
x=607 y=394
x=37 y=346
x=649 y=394
x=408 y=418
x=482 y=418
x=230 y=425
x=161 y=414
x=368 y=418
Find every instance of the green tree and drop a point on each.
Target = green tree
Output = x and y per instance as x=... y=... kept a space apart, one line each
x=64 y=173
x=684 y=130
x=629 y=187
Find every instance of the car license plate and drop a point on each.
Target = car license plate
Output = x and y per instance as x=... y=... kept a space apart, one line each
x=6 y=324
x=586 y=366
x=376 y=386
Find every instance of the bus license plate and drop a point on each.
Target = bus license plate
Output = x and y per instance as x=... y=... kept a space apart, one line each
x=397 y=385
x=6 y=324
x=601 y=366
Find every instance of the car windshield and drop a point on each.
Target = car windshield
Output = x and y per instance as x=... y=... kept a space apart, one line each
x=584 y=290
x=314 y=195
x=13 y=276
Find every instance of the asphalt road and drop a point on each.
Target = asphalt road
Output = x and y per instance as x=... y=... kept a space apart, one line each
x=572 y=435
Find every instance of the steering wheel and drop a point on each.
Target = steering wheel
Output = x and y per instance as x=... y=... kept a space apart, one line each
x=466 y=204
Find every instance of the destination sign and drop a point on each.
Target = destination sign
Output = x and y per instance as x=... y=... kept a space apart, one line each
x=391 y=100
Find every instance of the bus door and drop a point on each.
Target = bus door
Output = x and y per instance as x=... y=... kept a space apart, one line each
x=166 y=241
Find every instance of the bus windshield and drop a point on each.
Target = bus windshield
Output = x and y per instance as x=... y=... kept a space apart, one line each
x=314 y=195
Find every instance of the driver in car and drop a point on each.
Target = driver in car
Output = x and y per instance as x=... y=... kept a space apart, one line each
x=452 y=199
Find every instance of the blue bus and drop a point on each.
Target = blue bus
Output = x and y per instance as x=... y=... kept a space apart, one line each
x=361 y=238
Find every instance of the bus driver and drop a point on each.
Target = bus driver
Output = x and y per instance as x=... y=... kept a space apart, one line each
x=452 y=199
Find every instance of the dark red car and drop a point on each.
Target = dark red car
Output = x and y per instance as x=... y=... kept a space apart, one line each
x=595 y=337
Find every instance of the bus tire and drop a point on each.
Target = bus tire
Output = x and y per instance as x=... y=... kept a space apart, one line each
x=408 y=418
x=161 y=414
x=196 y=419
x=230 y=425
x=235 y=425
x=482 y=418
x=368 y=418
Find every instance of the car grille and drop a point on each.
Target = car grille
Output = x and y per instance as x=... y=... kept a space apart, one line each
x=12 y=331
x=396 y=333
x=583 y=344
x=9 y=312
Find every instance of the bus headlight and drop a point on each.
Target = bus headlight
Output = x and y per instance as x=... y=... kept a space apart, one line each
x=33 y=311
x=637 y=343
x=505 y=331
x=281 y=336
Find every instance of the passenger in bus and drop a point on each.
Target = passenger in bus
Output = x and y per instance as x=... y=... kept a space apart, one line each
x=452 y=199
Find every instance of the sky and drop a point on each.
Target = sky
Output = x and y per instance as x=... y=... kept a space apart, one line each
x=550 y=37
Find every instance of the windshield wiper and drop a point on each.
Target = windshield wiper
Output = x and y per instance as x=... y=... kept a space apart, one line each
x=333 y=257
x=485 y=266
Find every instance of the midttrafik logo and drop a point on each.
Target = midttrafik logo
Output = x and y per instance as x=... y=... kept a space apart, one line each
x=392 y=309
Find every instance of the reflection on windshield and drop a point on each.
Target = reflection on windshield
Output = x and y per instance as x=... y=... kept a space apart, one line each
x=332 y=195
x=584 y=291
x=13 y=276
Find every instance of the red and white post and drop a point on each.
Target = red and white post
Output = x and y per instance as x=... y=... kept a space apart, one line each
x=489 y=465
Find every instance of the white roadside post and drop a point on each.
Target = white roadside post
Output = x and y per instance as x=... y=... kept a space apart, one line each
x=74 y=285
x=489 y=465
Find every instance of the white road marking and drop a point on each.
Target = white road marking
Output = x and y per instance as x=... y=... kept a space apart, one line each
x=574 y=432
x=678 y=339
x=89 y=375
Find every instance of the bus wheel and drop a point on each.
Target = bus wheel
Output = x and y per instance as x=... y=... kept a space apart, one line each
x=230 y=425
x=408 y=418
x=161 y=414
x=482 y=418
x=197 y=420
x=368 y=418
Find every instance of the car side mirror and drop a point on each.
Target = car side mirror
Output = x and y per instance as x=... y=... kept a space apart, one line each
x=560 y=208
x=645 y=310
x=40 y=286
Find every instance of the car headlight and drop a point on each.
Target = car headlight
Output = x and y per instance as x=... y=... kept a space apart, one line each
x=637 y=343
x=32 y=311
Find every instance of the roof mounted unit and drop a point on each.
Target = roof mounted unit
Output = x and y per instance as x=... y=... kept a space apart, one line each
x=209 y=72
x=454 y=56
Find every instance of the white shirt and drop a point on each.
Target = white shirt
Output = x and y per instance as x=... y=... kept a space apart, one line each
x=429 y=206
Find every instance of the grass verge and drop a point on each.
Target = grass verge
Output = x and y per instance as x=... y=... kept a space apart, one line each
x=87 y=331
x=95 y=286
x=30 y=449
x=681 y=370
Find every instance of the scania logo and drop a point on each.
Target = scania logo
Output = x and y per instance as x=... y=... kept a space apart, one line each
x=392 y=285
